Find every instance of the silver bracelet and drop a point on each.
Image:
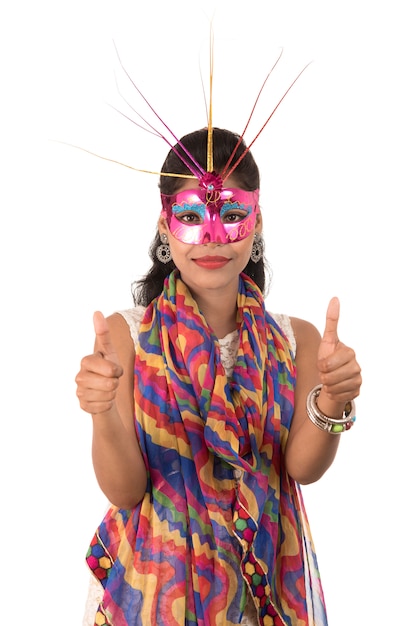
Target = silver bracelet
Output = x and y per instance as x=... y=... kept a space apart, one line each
x=329 y=424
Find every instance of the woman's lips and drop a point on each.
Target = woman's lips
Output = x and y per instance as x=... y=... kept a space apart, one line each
x=211 y=262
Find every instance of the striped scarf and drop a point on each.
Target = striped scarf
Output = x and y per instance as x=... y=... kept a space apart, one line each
x=220 y=518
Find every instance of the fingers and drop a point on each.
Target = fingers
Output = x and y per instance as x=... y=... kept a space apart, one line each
x=346 y=391
x=340 y=374
x=97 y=365
x=103 y=339
x=97 y=383
x=331 y=323
x=329 y=340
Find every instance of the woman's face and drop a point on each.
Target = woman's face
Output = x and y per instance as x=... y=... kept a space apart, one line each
x=211 y=265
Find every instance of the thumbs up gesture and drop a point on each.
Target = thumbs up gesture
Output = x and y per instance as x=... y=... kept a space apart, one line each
x=339 y=371
x=98 y=378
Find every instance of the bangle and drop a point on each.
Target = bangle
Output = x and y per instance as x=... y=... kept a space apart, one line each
x=329 y=424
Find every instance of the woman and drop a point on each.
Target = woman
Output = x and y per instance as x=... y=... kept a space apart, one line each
x=208 y=413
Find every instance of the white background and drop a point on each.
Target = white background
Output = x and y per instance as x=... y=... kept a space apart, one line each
x=339 y=195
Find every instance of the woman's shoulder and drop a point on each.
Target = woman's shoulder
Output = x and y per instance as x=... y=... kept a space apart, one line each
x=303 y=331
x=133 y=318
x=286 y=324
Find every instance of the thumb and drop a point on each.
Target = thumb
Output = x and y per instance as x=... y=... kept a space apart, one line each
x=103 y=338
x=330 y=337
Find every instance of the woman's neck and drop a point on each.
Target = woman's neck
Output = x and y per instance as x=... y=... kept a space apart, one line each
x=219 y=310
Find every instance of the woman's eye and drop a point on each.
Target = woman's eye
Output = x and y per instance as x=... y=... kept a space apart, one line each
x=189 y=218
x=232 y=217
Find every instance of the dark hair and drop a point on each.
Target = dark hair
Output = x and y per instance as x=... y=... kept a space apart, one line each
x=246 y=175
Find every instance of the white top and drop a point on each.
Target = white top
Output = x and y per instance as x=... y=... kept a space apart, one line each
x=228 y=344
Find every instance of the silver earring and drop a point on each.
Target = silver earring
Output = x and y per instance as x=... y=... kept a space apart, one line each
x=163 y=251
x=257 y=249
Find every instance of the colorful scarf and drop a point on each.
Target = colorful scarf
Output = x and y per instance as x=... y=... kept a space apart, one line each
x=221 y=518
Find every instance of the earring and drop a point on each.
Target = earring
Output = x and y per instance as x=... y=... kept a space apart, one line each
x=163 y=251
x=257 y=249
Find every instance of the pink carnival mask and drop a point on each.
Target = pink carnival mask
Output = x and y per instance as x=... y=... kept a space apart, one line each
x=210 y=213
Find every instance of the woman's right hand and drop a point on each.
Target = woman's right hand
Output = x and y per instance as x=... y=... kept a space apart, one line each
x=98 y=379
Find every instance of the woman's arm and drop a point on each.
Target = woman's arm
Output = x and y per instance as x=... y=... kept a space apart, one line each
x=105 y=390
x=319 y=360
